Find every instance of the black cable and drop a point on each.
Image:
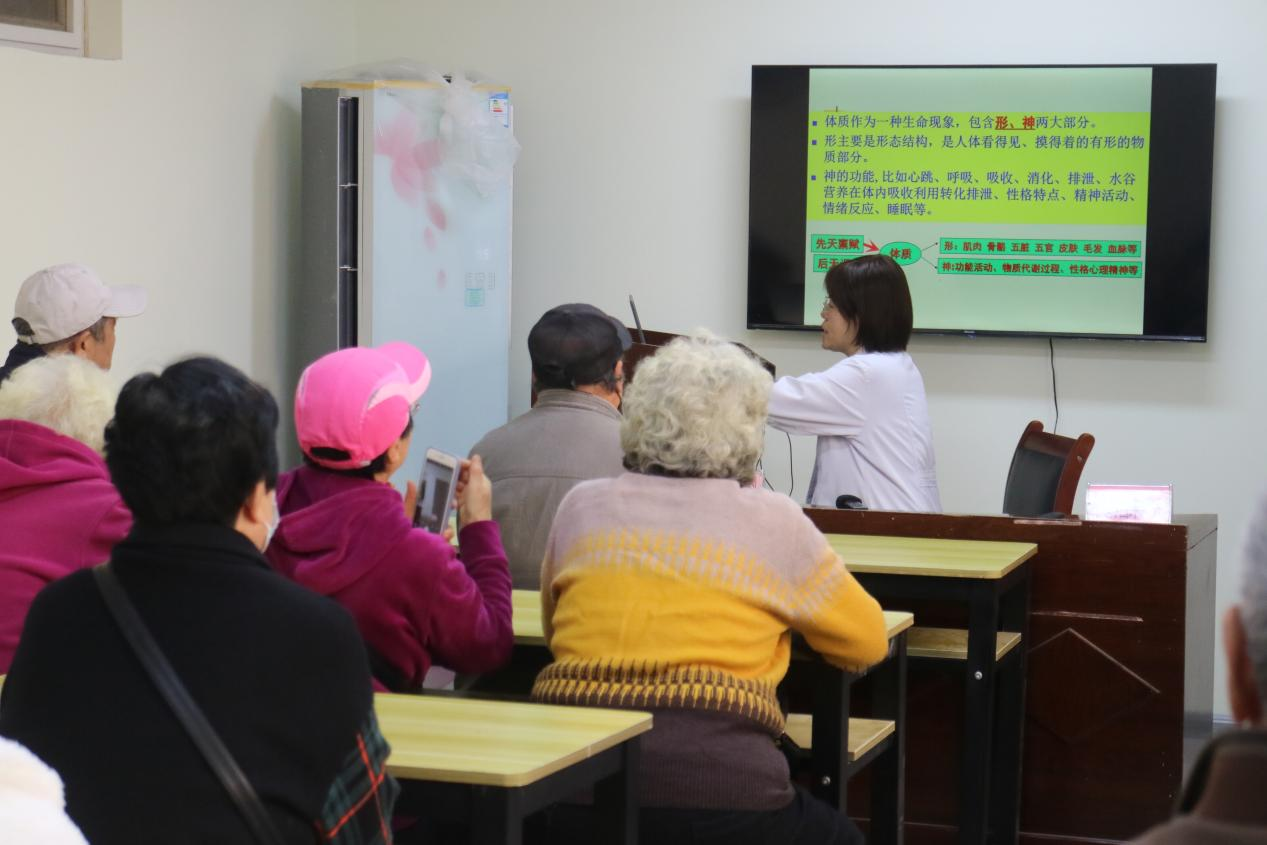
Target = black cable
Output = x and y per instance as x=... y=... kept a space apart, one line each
x=790 y=468
x=790 y=471
x=1055 y=398
x=765 y=482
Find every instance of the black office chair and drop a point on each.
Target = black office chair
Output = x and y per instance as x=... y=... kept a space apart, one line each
x=1043 y=478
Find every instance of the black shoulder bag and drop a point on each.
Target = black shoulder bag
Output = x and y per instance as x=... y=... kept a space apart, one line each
x=185 y=708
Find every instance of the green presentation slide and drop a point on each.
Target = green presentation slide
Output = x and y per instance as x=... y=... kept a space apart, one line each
x=1014 y=199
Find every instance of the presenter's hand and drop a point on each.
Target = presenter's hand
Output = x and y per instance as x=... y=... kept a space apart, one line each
x=474 y=493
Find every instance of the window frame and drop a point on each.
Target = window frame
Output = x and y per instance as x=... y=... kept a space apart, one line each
x=69 y=43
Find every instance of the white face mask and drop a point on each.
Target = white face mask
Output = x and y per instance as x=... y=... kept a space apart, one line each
x=271 y=528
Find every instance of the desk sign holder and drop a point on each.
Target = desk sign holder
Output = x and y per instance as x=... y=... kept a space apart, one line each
x=1130 y=503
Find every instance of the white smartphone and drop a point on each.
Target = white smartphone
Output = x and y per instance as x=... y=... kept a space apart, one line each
x=435 y=490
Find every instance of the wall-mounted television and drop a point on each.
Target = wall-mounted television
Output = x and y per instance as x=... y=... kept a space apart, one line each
x=1046 y=200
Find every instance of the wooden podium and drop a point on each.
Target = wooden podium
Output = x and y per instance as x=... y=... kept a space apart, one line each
x=646 y=342
x=1119 y=678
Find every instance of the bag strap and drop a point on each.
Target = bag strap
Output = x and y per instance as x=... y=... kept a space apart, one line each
x=186 y=709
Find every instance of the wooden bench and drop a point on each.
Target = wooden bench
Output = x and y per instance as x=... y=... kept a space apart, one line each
x=865 y=735
x=952 y=643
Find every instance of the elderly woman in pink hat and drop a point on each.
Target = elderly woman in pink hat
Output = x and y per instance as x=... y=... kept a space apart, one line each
x=346 y=533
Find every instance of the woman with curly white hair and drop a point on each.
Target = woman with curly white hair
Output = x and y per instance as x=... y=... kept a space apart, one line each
x=59 y=511
x=675 y=588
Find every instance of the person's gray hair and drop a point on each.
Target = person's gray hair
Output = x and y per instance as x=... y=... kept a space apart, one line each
x=1254 y=596
x=66 y=393
x=697 y=408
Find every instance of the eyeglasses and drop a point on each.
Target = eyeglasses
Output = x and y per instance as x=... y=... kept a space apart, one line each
x=828 y=305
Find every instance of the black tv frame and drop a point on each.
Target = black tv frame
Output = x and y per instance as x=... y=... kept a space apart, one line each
x=1177 y=271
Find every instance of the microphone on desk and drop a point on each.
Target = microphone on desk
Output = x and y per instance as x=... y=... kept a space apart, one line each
x=848 y=502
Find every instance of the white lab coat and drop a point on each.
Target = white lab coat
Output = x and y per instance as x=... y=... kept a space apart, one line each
x=874 y=438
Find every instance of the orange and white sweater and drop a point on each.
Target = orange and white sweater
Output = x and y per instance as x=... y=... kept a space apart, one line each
x=679 y=596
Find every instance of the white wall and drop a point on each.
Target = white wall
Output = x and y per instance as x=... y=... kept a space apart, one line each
x=176 y=167
x=634 y=121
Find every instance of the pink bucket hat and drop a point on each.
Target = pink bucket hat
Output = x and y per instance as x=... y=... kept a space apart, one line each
x=358 y=400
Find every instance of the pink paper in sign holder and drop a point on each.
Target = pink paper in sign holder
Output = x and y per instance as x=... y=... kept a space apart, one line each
x=1130 y=503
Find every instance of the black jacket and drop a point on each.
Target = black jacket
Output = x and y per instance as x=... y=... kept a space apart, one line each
x=279 y=671
x=20 y=354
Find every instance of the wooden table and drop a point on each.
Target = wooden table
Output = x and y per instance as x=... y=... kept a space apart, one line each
x=515 y=758
x=529 y=631
x=992 y=580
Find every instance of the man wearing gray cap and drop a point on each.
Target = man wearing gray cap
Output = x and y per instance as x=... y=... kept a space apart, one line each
x=571 y=435
x=67 y=309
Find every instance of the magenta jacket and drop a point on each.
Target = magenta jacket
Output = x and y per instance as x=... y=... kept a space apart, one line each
x=58 y=513
x=416 y=603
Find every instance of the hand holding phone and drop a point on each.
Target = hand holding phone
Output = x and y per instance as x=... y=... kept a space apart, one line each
x=474 y=492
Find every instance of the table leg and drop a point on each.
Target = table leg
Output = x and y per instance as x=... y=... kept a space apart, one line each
x=497 y=816
x=888 y=772
x=974 y=774
x=616 y=799
x=830 y=753
x=1005 y=768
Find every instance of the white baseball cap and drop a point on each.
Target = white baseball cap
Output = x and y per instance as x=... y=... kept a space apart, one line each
x=61 y=301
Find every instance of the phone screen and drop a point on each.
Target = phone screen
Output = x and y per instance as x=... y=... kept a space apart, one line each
x=435 y=495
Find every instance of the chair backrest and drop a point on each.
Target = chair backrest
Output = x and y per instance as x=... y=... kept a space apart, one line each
x=1043 y=479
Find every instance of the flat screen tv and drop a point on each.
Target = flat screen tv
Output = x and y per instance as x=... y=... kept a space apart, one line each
x=1067 y=201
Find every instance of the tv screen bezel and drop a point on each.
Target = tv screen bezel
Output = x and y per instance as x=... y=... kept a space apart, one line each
x=1176 y=306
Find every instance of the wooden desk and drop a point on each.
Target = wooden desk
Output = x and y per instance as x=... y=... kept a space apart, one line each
x=526 y=619
x=992 y=580
x=934 y=558
x=517 y=758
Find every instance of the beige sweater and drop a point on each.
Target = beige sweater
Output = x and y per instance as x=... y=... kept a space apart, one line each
x=535 y=459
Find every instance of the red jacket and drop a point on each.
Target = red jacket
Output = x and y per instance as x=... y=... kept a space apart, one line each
x=59 y=512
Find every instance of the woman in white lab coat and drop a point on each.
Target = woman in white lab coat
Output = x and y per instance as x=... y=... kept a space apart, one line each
x=868 y=410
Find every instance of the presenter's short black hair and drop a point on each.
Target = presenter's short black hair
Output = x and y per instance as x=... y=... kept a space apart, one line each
x=871 y=290
x=570 y=349
x=189 y=444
